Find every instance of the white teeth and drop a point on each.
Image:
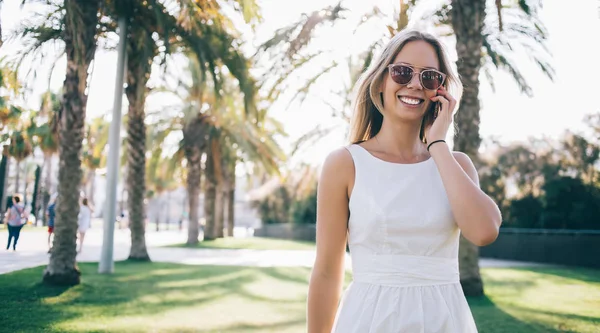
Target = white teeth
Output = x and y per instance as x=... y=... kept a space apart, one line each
x=411 y=101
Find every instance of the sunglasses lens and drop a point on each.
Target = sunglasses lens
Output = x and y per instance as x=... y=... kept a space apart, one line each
x=431 y=79
x=401 y=74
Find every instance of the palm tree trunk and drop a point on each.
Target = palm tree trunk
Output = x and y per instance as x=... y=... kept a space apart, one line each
x=48 y=180
x=46 y=193
x=80 y=46
x=219 y=172
x=18 y=175
x=138 y=72
x=193 y=155
x=210 y=194
x=157 y=217
x=4 y=168
x=168 y=210
x=91 y=186
x=467 y=20
x=231 y=199
x=24 y=183
x=219 y=210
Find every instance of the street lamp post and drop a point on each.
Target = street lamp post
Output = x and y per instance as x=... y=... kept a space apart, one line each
x=106 y=259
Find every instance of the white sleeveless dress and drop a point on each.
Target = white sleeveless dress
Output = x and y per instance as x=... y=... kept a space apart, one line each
x=404 y=247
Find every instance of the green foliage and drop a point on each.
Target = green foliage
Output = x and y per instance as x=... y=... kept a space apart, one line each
x=294 y=201
x=304 y=208
x=525 y=212
x=558 y=183
x=20 y=146
x=275 y=207
x=570 y=204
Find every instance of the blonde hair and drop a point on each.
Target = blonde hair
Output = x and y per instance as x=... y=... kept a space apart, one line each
x=367 y=117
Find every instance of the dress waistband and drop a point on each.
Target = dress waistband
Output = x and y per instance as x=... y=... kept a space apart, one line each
x=404 y=270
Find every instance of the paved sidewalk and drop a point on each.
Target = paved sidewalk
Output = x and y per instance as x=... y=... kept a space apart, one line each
x=32 y=252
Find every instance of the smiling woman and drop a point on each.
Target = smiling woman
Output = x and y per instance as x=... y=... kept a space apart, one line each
x=396 y=194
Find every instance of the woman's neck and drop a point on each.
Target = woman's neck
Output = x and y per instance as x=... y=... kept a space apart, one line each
x=401 y=140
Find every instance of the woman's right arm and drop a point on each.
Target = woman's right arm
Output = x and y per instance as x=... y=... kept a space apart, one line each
x=327 y=276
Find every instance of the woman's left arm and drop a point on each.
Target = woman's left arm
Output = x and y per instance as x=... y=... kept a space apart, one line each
x=476 y=214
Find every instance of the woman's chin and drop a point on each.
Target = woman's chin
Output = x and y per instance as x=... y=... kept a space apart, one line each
x=409 y=113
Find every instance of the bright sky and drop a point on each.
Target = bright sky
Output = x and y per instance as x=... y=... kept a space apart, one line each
x=506 y=114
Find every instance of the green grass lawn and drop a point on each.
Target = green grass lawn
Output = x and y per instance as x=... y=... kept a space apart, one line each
x=157 y=297
x=253 y=243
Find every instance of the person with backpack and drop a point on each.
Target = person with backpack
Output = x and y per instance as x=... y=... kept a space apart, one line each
x=17 y=217
x=50 y=215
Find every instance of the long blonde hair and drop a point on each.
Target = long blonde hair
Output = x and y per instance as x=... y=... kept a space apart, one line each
x=367 y=117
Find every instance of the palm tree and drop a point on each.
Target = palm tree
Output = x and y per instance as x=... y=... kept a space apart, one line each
x=160 y=171
x=218 y=127
x=477 y=44
x=80 y=32
x=20 y=148
x=230 y=136
x=210 y=43
x=94 y=156
x=194 y=127
x=229 y=161
x=45 y=134
x=10 y=116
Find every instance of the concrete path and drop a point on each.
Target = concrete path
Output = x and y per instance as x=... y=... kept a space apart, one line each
x=32 y=251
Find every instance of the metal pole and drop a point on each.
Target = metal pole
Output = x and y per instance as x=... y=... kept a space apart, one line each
x=106 y=259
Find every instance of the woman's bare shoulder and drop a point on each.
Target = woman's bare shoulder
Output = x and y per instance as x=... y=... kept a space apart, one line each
x=339 y=161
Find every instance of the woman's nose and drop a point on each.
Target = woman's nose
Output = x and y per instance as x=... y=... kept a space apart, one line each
x=414 y=82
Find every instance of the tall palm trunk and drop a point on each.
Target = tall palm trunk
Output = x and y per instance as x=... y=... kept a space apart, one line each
x=219 y=164
x=192 y=138
x=168 y=210
x=47 y=192
x=138 y=72
x=24 y=192
x=158 y=203
x=91 y=185
x=230 y=195
x=80 y=45
x=467 y=20
x=18 y=176
x=210 y=196
x=48 y=177
x=4 y=169
x=194 y=178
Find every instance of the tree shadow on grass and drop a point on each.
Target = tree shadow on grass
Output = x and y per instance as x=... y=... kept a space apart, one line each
x=157 y=293
x=243 y=327
x=492 y=319
x=588 y=275
x=145 y=290
x=592 y=321
x=290 y=274
x=21 y=295
x=28 y=305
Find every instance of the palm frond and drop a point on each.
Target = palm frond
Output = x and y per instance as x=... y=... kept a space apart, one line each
x=310 y=138
x=303 y=91
x=296 y=36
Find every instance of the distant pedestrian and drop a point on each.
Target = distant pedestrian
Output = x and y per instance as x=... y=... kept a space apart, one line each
x=16 y=217
x=50 y=215
x=83 y=221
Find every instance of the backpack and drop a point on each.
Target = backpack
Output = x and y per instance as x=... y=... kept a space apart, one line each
x=22 y=218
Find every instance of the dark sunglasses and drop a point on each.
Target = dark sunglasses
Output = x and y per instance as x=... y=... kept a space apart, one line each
x=430 y=78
